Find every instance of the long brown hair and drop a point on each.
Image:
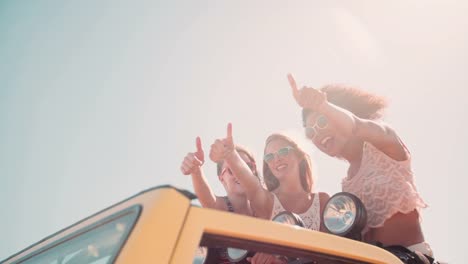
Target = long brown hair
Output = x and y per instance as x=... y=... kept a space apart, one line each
x=305 y=166
x=359 y=102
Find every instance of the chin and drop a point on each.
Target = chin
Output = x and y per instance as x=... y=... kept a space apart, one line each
x=334 y=151
x=279 y=176
x=239 y=193
x=237 y=190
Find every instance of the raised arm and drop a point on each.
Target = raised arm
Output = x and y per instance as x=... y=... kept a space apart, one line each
x=224 y=149
x=192 y=164
x=380 y=135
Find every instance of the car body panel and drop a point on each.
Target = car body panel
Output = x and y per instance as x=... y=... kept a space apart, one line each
x=169 y=230
x=201 y=220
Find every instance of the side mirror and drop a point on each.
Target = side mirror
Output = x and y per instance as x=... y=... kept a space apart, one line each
x=345 y=215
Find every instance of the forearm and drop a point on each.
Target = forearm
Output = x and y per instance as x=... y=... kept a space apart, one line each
x=203 y=190
x=342 y=119
x=379 y=134
x=244 y=174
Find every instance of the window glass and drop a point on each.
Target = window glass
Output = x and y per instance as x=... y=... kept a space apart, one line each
x=216 y=243
x=95 y=244
x=200 y=255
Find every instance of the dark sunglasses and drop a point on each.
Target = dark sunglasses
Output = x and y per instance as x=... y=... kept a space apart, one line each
x=320 y=123
x=281 y=153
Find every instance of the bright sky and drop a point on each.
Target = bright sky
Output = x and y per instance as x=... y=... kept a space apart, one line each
x=102 y=99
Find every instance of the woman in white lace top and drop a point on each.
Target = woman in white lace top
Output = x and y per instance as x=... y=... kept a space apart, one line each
x=343 y=122
x=288 y=177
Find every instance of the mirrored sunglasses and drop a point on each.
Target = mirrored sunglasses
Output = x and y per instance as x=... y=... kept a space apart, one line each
x=320 y=123
x=280 y=153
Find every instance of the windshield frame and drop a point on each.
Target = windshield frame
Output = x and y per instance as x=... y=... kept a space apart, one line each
x=134 y=209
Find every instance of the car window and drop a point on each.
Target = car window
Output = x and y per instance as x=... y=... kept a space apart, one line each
x=96 y=244
x=200 y=255
x=293 y=255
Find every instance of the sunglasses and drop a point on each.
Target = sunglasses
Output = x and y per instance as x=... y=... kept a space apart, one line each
x=320 y=123
x=282 y=152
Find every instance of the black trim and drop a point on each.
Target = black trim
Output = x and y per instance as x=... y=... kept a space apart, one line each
x=186 y=193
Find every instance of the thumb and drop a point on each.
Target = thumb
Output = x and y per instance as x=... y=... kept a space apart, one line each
x=229 y=131
x=199 y=145
x=199 y=154
x=293 y=85
x=229 y=139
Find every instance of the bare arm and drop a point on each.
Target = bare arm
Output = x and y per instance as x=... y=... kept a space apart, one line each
x=192 y=164
x=203 y=190
x=256 y=194
x=223 y=149
x=378 y=134
x=324 y=197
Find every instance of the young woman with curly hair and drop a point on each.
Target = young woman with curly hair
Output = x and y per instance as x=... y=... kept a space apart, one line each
x=345 y=123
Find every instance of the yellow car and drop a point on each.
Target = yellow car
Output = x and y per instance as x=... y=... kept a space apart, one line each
x=161 y=225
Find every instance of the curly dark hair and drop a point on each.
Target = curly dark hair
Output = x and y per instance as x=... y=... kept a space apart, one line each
x=359 y=102
x=305 y=166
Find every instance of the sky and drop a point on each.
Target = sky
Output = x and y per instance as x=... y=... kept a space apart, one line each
x=102 y=99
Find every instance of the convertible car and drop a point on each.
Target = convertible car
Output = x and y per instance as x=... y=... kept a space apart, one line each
x=163 y=225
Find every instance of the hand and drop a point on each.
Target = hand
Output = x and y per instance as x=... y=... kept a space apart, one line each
x=194 y=160
x=222 y=147
x=307 y=97
x=263 y=258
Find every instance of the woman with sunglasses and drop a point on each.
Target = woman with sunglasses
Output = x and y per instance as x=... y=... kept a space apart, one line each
x=235 y=200
x=344 y=122
x=287 y=171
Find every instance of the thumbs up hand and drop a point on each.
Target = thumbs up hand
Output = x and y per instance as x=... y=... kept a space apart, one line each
x=193 y=160
x=222 y=147
x=307 y=97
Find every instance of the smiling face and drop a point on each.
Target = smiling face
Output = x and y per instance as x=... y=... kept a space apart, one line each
x=282 y=160
x=229 y=180
x=324 y=135
x=285 y=161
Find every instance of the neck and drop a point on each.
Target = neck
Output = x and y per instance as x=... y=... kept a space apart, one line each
x=352 y=151
x=291 y=188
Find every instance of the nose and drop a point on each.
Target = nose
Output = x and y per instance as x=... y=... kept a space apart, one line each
x=276 y=158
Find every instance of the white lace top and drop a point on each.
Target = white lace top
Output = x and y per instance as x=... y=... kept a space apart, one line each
x=311 y=217
x=384 y=185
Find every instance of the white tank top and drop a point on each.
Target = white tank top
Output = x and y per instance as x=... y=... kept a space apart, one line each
x=311 y=217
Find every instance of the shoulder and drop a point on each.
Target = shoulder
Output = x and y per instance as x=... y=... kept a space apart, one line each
x=383 y=137
x=324 y=197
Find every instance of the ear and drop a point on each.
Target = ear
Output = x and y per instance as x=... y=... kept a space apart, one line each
x=221 y=178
